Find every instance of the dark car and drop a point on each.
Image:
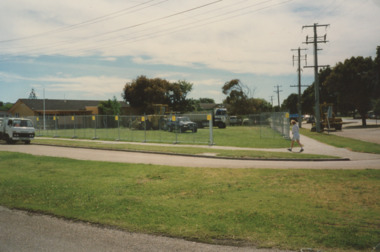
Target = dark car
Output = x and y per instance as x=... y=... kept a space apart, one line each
x=311 y=119
x=182 y=124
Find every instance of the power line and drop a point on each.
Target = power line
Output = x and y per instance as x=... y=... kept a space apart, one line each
x=87 y=22
x=123 y=28
x=158 y=31
x=156 y=19
x=192 y=24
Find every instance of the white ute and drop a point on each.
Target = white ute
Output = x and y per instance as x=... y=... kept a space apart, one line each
x=16 y=129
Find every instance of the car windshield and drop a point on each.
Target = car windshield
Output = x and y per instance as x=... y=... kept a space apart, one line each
x=22 y=123
x=183 y=119
x=221 y=112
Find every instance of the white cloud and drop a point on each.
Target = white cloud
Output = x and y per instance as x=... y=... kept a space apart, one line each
x=90 y=86
x=84 y=86
x=253 y=37
x=238 y=44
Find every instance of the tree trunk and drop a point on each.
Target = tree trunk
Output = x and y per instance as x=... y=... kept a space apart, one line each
x=364 y=121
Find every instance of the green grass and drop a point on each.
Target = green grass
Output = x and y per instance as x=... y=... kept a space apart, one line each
x=254 y=137
x=343 y=142
x=246 y=154
x=289 y=209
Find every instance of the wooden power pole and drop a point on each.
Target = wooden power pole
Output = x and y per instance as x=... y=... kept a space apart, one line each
x=316 y=40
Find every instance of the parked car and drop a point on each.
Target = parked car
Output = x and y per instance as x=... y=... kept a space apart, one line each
x=182 y=124
x=311 y=119
x=234 y=120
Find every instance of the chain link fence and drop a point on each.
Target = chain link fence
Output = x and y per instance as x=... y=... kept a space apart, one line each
x=124 y=128
x=269 y=124
x=153 y=128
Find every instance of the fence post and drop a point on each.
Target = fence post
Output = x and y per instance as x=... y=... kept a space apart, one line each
x=211 y=139
x=118 y=127
x=144 y=120
x=73 y=119
x=93 y=118
x=39 y=126
x=55 y=125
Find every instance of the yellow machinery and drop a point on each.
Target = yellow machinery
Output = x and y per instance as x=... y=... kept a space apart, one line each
x=328 y=119
x=155 y=121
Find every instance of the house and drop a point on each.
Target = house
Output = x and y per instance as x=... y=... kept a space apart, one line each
x=39 y=107
x=4 y=114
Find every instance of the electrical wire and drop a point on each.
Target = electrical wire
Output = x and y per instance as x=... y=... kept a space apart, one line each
x=87 y=22
x=119 y=36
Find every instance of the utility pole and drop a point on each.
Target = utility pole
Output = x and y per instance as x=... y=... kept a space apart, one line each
x=44 y=108
x=278 y=95
x=299 y=58
x=271 y=100
x=315 y=40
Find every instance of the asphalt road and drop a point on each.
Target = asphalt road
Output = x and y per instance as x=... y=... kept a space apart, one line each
x=21 y=231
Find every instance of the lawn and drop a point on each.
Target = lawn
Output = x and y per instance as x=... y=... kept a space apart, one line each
x=289 y=209
x=255 y=137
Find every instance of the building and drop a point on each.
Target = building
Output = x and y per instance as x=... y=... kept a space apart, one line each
x=52 y=107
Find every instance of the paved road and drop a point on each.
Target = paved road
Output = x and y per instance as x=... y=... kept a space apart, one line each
x=352 y=128
x=21 y=231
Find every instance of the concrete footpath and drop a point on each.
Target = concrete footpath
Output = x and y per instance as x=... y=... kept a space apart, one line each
x=356 y=160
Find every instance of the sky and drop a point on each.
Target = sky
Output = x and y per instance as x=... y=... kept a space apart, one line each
x=89 y=49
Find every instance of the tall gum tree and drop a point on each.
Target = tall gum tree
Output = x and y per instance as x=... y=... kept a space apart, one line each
x=353 y=82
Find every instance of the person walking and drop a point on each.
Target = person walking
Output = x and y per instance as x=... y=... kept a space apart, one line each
x=296 y=136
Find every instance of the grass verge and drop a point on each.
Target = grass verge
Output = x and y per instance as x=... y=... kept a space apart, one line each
x=343 y=142
x=289 y=209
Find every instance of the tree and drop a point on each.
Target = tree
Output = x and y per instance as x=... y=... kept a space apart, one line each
x=308 y=96
x=109 y=107
x=239 y=100
x=376 y=65
x=5 y=106
x=143 y=92
x=376 y=107
x=307 y=100
x=237 y=97
x=178 y=92
x=290 y=103
x=206 y=100
x=260 y=105
x=353 y=83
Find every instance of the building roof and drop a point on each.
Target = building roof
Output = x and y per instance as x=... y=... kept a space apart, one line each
x=59 y=105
